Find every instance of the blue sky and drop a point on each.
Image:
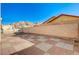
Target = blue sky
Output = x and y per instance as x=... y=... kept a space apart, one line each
x=35 y=12
x=0 y=10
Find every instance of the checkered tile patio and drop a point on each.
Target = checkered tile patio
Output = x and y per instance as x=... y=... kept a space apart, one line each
x=45 y=45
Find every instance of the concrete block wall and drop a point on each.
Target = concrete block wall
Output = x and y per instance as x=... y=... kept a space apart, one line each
x=64 y=30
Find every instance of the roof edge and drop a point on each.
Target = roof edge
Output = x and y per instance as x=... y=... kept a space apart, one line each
x=60 y=16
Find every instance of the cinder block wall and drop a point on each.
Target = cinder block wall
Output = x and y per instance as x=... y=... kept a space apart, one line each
x=64 y=30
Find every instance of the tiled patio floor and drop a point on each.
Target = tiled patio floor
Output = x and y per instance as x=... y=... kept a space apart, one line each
x=45 y=45
x=10 y=45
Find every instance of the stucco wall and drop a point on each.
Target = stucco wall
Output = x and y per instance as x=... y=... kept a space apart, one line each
x=65 y=19
x=65 y=30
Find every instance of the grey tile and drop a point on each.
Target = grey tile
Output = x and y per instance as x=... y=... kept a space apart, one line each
x=65 y=45
x=44 y=46
x=30 y=39
x=55 y=39
x=41 y=37
x=42 y=40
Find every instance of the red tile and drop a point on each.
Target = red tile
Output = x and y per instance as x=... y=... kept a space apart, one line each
x=30 y=51
x=51 y=42
x=76 y=48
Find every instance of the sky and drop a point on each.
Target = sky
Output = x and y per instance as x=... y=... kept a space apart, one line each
x=35 y=12
x=0 y=10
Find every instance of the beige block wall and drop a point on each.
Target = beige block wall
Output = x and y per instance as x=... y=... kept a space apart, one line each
x=65 y=30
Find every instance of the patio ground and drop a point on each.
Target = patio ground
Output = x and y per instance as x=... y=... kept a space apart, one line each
x=45 y=45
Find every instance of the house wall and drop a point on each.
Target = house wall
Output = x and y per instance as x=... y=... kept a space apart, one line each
x=65 y=30
x=65 y=19
x=7 y=29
